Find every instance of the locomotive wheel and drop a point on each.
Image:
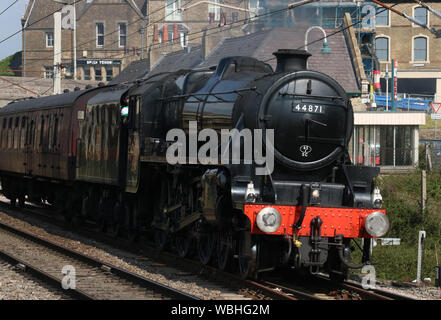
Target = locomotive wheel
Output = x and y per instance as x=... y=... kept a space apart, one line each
x=247 y=263
x=133 y=231
x=183 y=243
x=206 y=246
x=161 y=238
x=224 y=250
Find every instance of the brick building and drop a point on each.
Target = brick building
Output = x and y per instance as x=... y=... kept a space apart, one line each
x=112 y=33
x=107 y=37
x=417 y=50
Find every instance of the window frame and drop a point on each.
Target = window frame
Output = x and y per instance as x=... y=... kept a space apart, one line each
x=49 y=40
x=172 y=13
x=382 y=36
x=427 y=49
x=120 y=35
x=98 y=35
x=414 y=25
x=388 y=17
x=215 y=9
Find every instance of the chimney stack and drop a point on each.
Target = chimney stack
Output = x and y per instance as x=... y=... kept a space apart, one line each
x=291 y=60
x=175 y=33
x=165 y=33
x=211 y=17
x=155 y=33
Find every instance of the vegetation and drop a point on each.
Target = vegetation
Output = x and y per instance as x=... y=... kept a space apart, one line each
x=402 y=200
x=10 y=63
x=430 y=123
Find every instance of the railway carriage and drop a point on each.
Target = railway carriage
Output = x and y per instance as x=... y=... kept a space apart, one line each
x=103 y=154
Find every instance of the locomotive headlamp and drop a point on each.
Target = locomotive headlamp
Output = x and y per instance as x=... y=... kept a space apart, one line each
x=315 y=193
x=377 y=224
x=269 y=220
x=377 y=199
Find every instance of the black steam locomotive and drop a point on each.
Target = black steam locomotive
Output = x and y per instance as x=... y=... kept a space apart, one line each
x=240 y=164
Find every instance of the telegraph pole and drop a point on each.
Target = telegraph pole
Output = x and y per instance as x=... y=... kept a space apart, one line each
x=57 y=52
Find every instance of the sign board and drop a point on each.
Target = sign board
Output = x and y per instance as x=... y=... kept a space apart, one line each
x=99 y=61
x=436 y=116
x=435 y=107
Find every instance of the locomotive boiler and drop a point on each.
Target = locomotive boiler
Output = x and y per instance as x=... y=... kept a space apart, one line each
x=158 y=158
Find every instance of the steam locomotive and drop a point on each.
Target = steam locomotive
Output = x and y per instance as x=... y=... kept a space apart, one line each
x=128 y=156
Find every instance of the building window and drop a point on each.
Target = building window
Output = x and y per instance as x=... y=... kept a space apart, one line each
x=86 y=72
x=382 y=48
x=98 y=75
x=48 y=72
x=420 y=14
x=385 y=145
x=420 y=49
x=49 y=39
x=109 y=73
x=382 y=17
x=122 y=27
x=255 y=7
x=171 y=10
x=100 y=34
x=215 y=9
x=183 y=36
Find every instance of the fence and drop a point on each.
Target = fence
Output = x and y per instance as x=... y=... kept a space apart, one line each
x=411 y=104
x=432 y=153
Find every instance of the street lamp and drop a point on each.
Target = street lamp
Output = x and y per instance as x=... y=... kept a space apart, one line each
x=325 y=48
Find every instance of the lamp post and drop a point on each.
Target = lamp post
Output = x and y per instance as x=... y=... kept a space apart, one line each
x=142 y=32
x=387 y=77
x=325 y=48
x=73 y=25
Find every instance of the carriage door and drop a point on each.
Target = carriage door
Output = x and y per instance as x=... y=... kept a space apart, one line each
x=132 y=171
x=30 y=143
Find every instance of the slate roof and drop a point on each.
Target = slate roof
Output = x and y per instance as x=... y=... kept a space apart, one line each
x=177 y=60
x=261 y=45
x=135 y=70
x=170 y=62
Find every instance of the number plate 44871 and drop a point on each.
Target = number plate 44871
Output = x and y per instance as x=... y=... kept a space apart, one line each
x=310 y=108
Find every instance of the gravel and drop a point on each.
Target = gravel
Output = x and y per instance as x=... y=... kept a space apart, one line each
x=17 y=285
x=143 y=266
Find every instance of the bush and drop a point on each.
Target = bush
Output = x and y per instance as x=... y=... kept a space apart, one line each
x=401 y=198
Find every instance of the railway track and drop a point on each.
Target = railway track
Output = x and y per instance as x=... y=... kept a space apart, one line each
x=322 y=289
x=87 y=278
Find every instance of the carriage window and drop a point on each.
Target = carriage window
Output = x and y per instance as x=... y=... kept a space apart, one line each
x=41 y=131
x=16 y=122
x=32 y=133
x=4 y=123
x=55 y=132
x=23 y=122
x=10 y=123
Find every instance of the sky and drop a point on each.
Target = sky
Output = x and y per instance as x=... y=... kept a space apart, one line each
x=10 y=22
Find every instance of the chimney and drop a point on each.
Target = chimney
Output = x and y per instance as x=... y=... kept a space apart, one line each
x=223 y=19
x=235 y=16
x=211 y=17
x=175 y=33
x=291 y=60
x=165 y=33
x=155 y=33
